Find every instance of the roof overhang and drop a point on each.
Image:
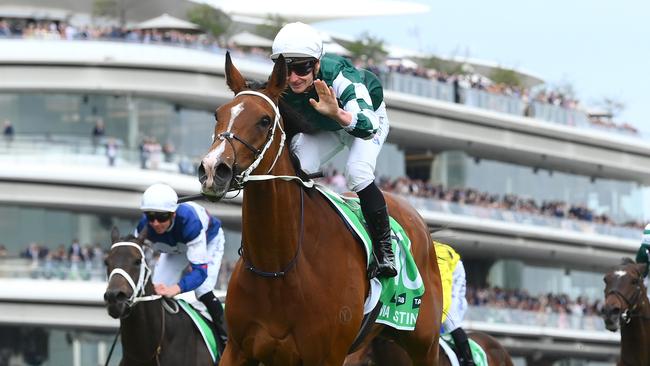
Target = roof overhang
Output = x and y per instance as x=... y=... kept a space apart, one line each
x=296 y=10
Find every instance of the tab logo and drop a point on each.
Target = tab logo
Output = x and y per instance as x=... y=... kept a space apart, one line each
x=400 y=299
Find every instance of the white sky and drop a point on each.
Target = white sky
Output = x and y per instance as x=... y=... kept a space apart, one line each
x=600 y=47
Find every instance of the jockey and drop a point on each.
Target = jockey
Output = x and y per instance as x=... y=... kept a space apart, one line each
x=346 y=105
x=449 y=263
x=642 y=255
x=184 y=234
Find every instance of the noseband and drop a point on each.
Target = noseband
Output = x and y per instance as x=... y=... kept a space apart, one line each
x=242 y=178
x=145 y=272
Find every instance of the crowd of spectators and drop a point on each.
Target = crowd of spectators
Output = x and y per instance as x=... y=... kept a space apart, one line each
x=75 y=261
x=470 y=80
x=520 y=299
x=30 y=29
x=511 y=202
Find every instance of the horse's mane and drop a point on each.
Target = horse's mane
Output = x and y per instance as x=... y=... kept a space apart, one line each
x=626 y=261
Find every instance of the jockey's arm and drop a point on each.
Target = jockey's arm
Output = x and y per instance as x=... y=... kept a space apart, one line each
x=349 y=89
x=197 y=255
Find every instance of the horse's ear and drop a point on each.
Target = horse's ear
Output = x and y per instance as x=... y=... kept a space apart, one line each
x=115 y=235
x=142 y=236
x=278 y=80
x=234 y=78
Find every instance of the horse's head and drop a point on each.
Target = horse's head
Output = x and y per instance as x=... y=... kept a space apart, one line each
x=127 y=273
x=624 y=292
x=245 y=137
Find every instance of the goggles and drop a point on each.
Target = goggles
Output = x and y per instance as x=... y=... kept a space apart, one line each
x=158 y=216
x=301 y=68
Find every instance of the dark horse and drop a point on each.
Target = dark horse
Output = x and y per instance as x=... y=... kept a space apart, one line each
x=383 y=352
x=296 y=295
x=626 y=305
x=151 y=335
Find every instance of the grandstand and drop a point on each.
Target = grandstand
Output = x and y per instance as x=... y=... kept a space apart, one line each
x=547 y=178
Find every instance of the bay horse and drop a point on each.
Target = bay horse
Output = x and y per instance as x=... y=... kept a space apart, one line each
x=383 y=352
x=626 y=307
x=151 y=335
x=297 y=293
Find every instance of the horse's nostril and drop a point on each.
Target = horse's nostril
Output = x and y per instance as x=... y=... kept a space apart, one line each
x=223 y=172
x=202 y=176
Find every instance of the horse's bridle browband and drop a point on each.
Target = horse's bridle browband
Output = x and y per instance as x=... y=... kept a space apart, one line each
x=244 y=176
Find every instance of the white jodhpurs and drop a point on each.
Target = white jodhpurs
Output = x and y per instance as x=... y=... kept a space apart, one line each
x=458 y=305
x=315 y=150
x=170 y=266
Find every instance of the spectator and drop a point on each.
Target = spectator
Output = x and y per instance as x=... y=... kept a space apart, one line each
x=111 y=150
x=5 y=30
x=75 y=251
x=168 y=152
x=34 y=252
x=8 y=131
x=98 y=132
x=337 y=181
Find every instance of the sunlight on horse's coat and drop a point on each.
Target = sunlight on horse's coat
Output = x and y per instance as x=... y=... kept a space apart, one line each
x=620 y=273
x=234 y=112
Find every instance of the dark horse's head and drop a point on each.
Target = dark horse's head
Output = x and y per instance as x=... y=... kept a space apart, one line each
x=247 y=132
x=127 y=273
x=624 y=292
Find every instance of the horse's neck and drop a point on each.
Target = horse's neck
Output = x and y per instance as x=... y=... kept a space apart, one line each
x=142 y=329
x=271 y=218
x=636 y=334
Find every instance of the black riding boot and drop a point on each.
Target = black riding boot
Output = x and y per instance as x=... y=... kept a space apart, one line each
x=216 y=312
x=462 y=347
x=375 y=212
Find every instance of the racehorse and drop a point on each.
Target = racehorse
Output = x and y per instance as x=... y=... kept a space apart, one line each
x=296 y=295
x=626 y=306
x=151 y=335
x=383 y=352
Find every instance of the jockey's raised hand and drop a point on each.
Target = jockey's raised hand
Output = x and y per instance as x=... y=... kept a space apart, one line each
x=328 y=105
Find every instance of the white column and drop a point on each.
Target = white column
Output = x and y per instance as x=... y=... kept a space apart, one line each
x=76 y=352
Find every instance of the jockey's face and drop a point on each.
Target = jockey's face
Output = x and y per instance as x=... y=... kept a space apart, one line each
x=300 y=84
x=161 y=226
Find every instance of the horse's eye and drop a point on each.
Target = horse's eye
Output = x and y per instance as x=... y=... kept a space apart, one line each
x=106 y=262
x=215 y=116
x=137 y=262
x=265 y=121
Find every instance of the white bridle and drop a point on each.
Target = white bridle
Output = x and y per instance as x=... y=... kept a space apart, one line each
x=143 y=277
x=246 y=176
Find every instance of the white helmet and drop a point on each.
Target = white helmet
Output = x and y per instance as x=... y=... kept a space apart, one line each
x=297 y=40
x=159 y=197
